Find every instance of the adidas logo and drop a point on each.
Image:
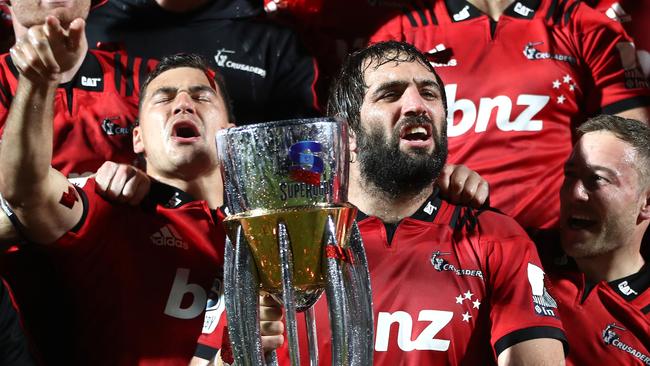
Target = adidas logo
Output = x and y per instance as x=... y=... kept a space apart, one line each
x=441 y=56
x=169 y=237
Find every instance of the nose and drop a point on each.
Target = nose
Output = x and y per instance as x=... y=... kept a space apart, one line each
x=413 y=103
x=183 y=103
x=574 y=189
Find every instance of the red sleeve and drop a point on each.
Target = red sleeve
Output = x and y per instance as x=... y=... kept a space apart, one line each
x=522 y=308
x=610 y=56
x=97 y=219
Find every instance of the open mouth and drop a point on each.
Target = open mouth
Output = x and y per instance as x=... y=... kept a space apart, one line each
x=185 y=130
x=579 y=223
x=416 y=132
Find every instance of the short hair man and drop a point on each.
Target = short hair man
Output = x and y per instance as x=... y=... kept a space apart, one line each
x=123 y=274
x=450 y=285
x=602 y=290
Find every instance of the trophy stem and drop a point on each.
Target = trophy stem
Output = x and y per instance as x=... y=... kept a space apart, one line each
x=359 y=297
x=336 y=300
x=242 y=302
x=312 y=339
x=288 y=295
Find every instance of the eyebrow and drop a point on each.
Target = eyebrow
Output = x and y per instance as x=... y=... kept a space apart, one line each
x=605 y=169
x=194 y=89
x=395 y=84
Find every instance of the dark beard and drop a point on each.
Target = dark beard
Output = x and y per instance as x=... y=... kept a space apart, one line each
x=394 y=172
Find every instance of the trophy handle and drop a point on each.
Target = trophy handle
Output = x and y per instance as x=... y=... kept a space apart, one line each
x=241 y=286
x=288 y=295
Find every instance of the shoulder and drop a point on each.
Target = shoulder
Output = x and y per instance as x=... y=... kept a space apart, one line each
x=580 y=18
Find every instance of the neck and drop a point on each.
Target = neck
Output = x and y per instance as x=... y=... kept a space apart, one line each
x=207 y=187
x=492 y=8
x=372 y=201
x=66 y=75
x=611 y=266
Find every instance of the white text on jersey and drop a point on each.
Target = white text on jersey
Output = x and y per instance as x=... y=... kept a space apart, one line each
x=425 y=341
x=479 y=117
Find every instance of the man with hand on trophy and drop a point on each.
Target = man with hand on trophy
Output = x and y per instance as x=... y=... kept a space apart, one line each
x=451 y=285
x=124 y=273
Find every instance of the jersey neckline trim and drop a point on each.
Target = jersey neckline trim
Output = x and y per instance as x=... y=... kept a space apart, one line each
x=461 y=10
x=426 y=212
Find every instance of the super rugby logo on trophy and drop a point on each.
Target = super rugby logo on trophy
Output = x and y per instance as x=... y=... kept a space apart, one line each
x=306 y=172
x=291 y=233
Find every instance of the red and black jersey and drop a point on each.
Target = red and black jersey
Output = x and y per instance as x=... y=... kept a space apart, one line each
x=517 y=88
x=128 y=285
x=93 y=114
x=634 y=16
x=606 y=323
x=450 y=286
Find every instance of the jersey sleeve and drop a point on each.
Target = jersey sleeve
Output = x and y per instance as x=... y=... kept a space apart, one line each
x=98 y=217
x=521 y=307
x=610 y=56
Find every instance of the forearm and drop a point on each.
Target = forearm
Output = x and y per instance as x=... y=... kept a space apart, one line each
x=26 y=149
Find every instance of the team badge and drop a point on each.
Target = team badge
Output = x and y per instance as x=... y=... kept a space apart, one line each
x=441 y=264
x=612 y=338
x=532 y=53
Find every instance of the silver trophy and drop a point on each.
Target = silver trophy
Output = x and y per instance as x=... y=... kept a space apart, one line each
x=292 y=234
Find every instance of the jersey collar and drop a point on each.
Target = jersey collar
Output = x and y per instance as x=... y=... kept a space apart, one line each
x=631 y=286
x=165 y=195
x=89 y=77
x=460 y=10
x=427 y=211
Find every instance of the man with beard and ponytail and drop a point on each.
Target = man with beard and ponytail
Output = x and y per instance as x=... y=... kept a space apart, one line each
x=450 y=285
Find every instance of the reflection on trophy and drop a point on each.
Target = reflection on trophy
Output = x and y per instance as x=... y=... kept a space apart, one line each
x=292 y=234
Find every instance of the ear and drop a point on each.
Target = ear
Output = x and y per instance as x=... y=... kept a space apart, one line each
x=352 y=141
x=644 y=213
x=138 y=145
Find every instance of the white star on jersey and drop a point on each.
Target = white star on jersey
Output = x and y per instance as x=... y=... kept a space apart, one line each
x=468 y=295
x=566 y=78
x=561 y=99
x=556 y=84
x=476 y=304
x=466 y=317
x=459 y=299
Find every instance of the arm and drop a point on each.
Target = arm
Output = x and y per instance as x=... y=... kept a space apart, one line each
x=534 y=352
x=43 y=200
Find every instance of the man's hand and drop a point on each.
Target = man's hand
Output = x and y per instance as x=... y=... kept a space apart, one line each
x=122 y=183
x=271 y=325
x=461 y=185
x=48 y=50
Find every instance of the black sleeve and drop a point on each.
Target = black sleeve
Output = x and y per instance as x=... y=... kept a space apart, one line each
x=13 y=345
